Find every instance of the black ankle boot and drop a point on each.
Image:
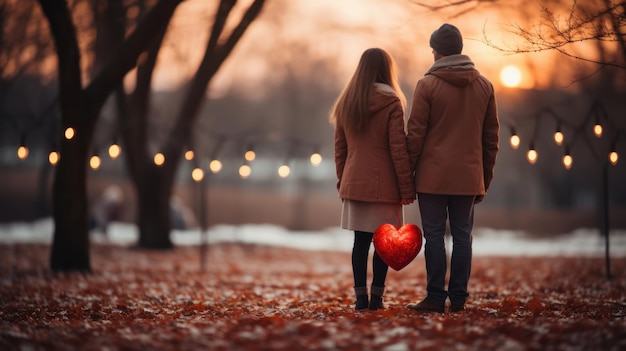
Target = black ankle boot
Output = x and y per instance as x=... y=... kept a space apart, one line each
x=361 y=298
x=376 y=302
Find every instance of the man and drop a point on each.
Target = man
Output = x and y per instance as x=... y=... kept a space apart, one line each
x=453 y=142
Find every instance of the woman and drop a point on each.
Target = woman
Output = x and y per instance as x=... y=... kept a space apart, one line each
x=372 y=162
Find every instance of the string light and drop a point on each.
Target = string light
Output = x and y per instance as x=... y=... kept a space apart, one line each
x=316 y=159
x=114 y=151
x=197 y=174
x=69 y=133
x=283 y=171
x=597 y=130
x=95 y=162
x=189 y=155
x=159 y=159
x=215 y=166
x=558 y=137
x=250 y=155
x=54 y=157
x=245 y=171
x=532 y=155
x=613 y=157
x=22 y=152
x=567 y=160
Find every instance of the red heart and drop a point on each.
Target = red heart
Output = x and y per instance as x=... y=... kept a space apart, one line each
x=397 y=247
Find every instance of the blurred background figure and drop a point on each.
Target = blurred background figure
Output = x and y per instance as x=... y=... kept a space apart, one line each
x=106 y=209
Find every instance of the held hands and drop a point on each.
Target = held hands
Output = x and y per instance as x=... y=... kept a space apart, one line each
x=406 y=201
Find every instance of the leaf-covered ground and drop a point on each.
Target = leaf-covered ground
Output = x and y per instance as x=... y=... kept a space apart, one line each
x=272 y=298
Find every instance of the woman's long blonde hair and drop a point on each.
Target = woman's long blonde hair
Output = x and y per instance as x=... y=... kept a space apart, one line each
x=352 y=106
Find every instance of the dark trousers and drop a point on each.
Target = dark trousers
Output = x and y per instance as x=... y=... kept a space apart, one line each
x=360 y=252
x=434 y=210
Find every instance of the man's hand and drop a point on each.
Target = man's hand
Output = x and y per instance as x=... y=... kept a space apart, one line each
x=406 y=201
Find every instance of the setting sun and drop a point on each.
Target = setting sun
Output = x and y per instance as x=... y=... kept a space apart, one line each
x=511 y=76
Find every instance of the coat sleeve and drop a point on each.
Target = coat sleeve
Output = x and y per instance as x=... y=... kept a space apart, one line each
x=491 y=129
x=341 y=151
x=417 y=126
x=399 y=152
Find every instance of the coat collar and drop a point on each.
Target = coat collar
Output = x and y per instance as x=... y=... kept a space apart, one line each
x=452 y=62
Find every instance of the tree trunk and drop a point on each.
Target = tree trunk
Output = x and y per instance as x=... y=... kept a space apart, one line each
x=154 y=220
x=154 y=209
x=70 y=244
x=79 y=110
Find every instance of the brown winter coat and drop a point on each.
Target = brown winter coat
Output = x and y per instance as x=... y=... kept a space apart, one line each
x=453 y=129
x=373 y=166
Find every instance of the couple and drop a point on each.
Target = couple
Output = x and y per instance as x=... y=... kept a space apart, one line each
x=445 y=154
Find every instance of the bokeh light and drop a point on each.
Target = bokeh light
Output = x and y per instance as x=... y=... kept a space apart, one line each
x=567 y=161
x=613 y=157
x=316 y=159
x=215 y=166
x=597 y=130
x=22 y=152
x=250 y=155
x=95 y=162
x=189 y=155
x=197 y=174
x=532 y=156
x=69 y=133
x=159 y=159
x=558 y=137
x=53 y=157
x=245 y=171
x=284 y=171
x=114 y=151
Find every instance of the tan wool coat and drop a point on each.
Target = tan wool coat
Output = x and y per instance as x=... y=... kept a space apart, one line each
x=373 y=166
x=453 y=129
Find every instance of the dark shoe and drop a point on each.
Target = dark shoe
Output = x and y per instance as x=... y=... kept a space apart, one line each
x=457 y=308
x=377 y=303
x=426 y=306
x=361 y=302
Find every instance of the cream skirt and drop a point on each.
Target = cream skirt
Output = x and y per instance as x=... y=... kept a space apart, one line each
x=368 y=216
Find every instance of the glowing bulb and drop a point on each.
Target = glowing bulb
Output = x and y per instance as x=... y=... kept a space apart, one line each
x=567 y=161
x=532 y=156
x=597 y=130
x=316 y=159
x=558 y=137
x=114 y=151
x=249 y=155
x=197 y=174
x=69 y=133
x=22 y=152
x=159 y=159
x=245 y=171
x=283 y=171
x=215 y=166
x=95 y=162
x=189 y=155
x=613 y=157
x=515 y=141
x=53 y=158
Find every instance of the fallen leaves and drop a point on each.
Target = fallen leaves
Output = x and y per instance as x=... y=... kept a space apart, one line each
x=270 y=298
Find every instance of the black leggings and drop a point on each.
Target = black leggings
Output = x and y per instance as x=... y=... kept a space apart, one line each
x=360 y=251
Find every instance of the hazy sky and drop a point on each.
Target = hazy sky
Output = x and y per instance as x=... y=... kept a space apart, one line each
x=337 y=31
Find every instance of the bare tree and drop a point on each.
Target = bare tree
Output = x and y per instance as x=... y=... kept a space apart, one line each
x=154 y=184
x=601 y=22
x=80 y=107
